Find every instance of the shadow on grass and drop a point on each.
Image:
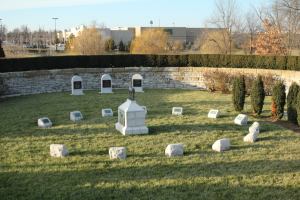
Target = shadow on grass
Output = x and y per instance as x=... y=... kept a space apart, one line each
x=161 y=181
x=175 y=128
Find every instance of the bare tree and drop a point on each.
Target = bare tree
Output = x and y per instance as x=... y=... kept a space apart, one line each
x=291 y=4
x=226 y=18
x=252 y=27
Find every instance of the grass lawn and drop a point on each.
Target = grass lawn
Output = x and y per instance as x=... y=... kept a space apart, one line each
x=267 y=169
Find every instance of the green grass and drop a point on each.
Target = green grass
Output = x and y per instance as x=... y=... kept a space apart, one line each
x=267 y=169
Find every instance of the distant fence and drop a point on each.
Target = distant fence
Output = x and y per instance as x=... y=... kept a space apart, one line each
x=134 y=60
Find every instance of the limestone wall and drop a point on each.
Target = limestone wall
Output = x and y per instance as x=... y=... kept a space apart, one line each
x=32 y=82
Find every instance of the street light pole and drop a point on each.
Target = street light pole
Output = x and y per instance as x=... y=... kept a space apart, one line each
x=55 y=38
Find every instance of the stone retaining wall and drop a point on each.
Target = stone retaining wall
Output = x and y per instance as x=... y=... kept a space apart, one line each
x=33 y=82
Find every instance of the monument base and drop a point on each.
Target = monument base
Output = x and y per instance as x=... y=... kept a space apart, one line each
x=132 y=130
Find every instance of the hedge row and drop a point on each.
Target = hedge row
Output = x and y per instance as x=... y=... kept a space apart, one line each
x=129 y=60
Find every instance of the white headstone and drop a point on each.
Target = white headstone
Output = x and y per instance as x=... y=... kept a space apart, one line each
x=131 y=119
x=213 y=114
x=58 y=150
x=44 y=122
x=76 y=83
x=76 y=116
x=174 y=150
x=253 y=133
x=221 y=145
x=106 y=84
x=177 y=111
x=251 y=137
x=137 y=83
x=254 y=128
x=107 y=112
x=117 y=152
x=241 y=119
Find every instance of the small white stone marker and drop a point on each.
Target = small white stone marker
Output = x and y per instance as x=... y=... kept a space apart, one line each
x=44 y=122
x=253 y=133
x=107 y=112
x=241 y=119
x=76 y=116
x=117 y=152
x=177 y=111
x=174 y=150
x=213 y=114
x=145 y=109
x=58 y=150
x=221 y=145
x=254 y=128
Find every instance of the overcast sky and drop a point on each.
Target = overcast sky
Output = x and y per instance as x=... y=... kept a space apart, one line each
x=112 y=13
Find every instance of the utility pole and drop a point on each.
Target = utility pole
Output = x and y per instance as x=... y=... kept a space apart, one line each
x=55 y=37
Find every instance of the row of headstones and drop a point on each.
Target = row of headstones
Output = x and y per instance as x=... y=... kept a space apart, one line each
x=60 y=150
x=106 y=84
x=76 y=116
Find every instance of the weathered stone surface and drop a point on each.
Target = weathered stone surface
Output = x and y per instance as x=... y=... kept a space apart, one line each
x=42 y=81
x=58 y=150
x=174 y=150
x=221 y=145
x=117 y=153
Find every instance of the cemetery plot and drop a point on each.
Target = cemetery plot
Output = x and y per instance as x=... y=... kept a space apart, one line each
x=90 y=171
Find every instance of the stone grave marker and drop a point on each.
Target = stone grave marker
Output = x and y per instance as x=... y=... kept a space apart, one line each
x=44 y=122
x=137 y=82
x=174 y=150
x=213 y=114
x=221 y=145
x=106 y=84
x=76 y=83
x=76 y=116
x=117 y=153
x=58 y=150
x=253 y=133
x=241 y=119
x=131 y=117
x=107 y=112
x=177 y=111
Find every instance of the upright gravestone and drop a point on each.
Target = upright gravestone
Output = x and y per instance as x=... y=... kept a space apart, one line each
x=131 y=117
x=76 y=83
x=106 y=84
x=137 y=83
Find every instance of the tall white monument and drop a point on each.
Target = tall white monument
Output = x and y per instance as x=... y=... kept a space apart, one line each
x=106 y=86
x=76 y=83
x=137 y=83
x=131 y=117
